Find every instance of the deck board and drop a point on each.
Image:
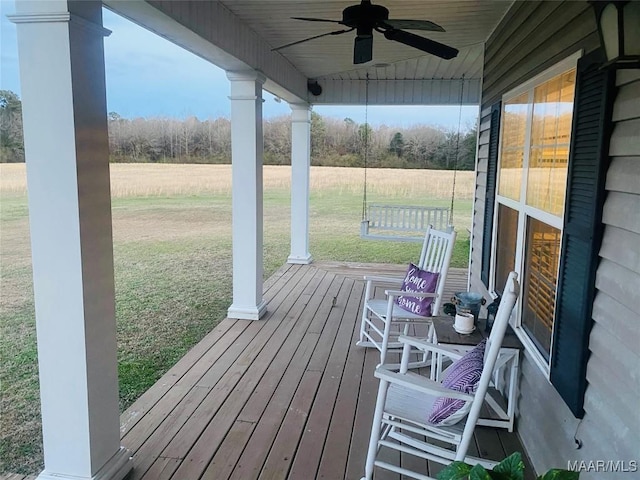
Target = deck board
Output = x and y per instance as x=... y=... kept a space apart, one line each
x=227 y=396
x=309 y=452
x=304 y=344
x=289 y=396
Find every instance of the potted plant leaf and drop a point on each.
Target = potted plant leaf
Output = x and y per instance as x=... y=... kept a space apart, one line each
x=511 y=468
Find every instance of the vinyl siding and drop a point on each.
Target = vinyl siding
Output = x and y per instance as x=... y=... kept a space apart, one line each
x=609 y=430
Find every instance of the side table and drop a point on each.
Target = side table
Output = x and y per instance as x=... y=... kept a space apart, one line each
x=501 y=400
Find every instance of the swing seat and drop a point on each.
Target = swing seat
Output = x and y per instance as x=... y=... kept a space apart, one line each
x=402 y=223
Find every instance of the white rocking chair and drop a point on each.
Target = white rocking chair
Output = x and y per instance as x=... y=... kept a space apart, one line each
x=382 y=319
x=404 y=403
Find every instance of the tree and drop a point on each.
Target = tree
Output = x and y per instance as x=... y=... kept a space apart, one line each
x=397 y=144
x=457 y=151
x=468 y=145
x=11 y=138
x=318 y=135
x=277 y=141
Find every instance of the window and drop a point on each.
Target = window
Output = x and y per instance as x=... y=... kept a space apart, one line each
x=550 y=135
x=551 y=241
x=539 y=289
x=532 y=175
x=514 y=125
x=507 y=232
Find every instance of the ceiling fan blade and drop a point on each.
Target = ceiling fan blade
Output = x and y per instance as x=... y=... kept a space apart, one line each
x=311 y=19
x=337 y=32
x=426 y=45
x=412 y=25
x=363 y=49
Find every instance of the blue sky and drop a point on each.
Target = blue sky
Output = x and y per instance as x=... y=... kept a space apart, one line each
x=148 y=76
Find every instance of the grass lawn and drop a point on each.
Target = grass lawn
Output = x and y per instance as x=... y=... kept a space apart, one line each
x=172 y=253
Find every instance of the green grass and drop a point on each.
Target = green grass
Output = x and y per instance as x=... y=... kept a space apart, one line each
x=173 y=285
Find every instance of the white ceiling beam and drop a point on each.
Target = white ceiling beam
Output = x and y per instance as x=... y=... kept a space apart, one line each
x=398 y=92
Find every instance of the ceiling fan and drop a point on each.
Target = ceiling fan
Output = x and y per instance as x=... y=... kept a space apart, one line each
x=365 y=18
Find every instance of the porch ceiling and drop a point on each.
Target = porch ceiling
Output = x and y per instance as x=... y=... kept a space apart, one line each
x=468 y=23
x=239 y=34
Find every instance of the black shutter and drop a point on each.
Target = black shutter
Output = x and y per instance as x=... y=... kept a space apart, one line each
x=492 y=172
x=582 y=234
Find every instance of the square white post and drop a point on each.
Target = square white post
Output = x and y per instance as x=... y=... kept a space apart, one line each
x=61 y=58
x=247 y=145
x=300 y=170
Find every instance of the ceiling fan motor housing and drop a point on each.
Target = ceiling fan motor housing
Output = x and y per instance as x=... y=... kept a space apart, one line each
x=364 y=17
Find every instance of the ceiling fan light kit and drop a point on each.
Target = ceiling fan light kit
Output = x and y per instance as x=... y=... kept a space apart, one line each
x=366 y=17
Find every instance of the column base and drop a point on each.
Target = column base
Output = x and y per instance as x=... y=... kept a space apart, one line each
x=117 y=468
x=247 y=313
x=300 y=260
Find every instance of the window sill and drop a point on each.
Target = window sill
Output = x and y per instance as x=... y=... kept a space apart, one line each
x=531 y=351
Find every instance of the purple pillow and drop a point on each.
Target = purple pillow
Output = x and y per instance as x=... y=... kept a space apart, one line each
x=462 y=376
x=418 y=280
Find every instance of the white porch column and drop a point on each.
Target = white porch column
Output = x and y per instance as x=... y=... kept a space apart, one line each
x=300 y=166
x=61 y=56
x=246 y=157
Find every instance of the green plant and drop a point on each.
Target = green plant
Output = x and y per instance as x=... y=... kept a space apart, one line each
x=511 y=468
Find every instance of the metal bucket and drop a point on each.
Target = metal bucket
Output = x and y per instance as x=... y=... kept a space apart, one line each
x=468 y=302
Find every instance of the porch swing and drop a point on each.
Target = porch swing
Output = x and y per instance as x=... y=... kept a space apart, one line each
x=405 y=223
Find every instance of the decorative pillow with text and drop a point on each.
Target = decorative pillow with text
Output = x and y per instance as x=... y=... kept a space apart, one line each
x=418 y=280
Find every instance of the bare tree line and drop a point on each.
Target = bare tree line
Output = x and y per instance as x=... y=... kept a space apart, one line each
x=334 y=142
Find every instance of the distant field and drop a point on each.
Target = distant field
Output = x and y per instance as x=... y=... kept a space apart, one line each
x=172 y=252
x=145 y=179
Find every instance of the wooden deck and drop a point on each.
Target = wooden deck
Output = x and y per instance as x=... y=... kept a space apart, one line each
x=289 y=396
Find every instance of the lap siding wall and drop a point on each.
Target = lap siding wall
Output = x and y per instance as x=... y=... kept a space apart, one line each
x=609 y=430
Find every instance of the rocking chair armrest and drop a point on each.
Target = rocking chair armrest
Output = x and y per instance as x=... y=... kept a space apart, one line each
x=419 y=383
x=427 y=346
x=383 y=279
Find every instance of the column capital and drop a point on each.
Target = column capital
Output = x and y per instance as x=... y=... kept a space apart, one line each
x=247 y=75
x=300 y=112
x=300 y=106
x=59 y=17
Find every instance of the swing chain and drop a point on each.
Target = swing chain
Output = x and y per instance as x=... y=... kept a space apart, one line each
x=455 y=163
x=366 y=146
